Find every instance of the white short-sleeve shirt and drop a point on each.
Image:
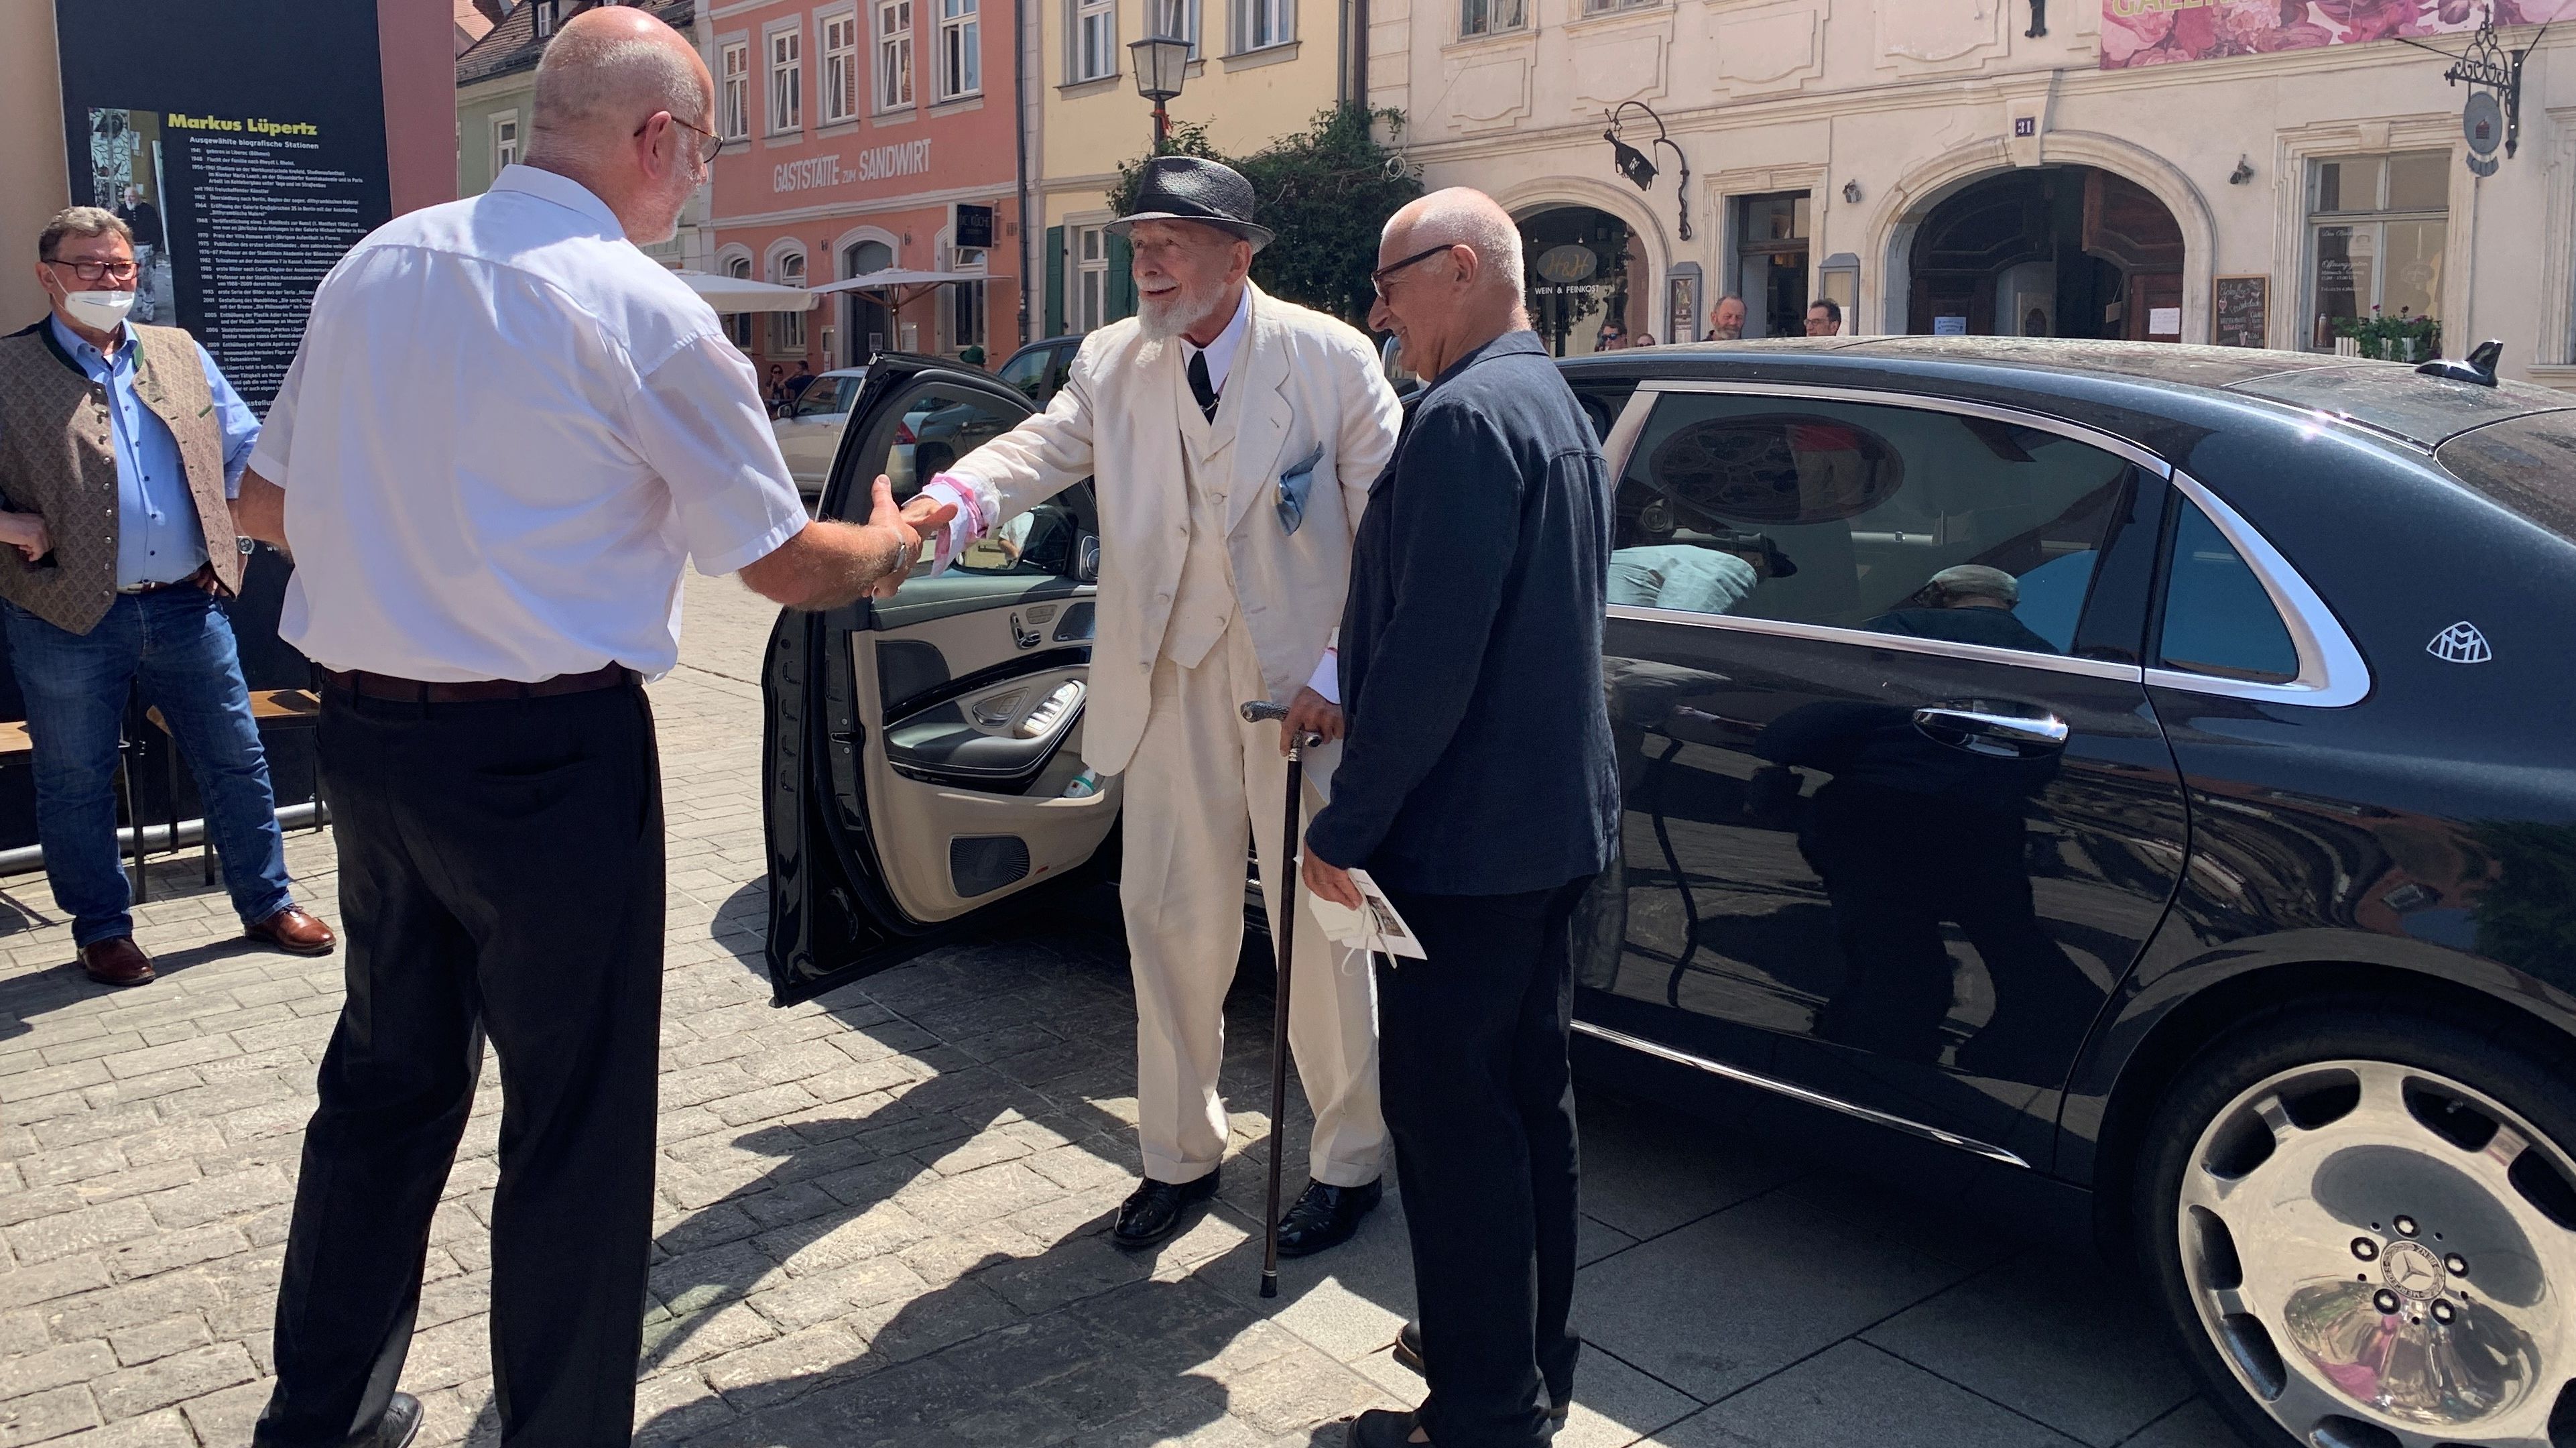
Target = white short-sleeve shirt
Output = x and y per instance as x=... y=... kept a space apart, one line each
x=505 y=432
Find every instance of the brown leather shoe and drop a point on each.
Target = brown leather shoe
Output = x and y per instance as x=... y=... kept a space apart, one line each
x=116 y=961
x=294 y=932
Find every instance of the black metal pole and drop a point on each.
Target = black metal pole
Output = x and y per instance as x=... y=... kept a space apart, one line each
x=1162 y=128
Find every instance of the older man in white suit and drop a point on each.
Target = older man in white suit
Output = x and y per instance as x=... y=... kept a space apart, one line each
x=1235 y=437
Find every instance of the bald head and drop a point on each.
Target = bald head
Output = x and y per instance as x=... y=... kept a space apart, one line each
x=624 y=106
x=606 y=72
x=1466 y=217
x=1448 y=278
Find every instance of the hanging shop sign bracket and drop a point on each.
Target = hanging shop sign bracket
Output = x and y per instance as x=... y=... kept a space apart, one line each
x=1633 y=162
x=2493 y=75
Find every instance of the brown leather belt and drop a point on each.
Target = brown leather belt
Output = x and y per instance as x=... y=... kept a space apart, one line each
x=474 y=691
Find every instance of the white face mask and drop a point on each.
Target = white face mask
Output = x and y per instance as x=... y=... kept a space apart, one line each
x=99 y=311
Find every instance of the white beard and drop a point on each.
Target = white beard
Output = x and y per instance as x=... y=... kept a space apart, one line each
x=1168 y=316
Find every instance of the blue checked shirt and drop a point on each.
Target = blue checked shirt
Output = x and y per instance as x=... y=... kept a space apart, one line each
x=158 y=538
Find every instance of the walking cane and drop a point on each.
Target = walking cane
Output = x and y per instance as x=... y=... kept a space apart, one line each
x=1259 y=712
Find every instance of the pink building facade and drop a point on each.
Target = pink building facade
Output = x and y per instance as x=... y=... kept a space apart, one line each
x=864 y=135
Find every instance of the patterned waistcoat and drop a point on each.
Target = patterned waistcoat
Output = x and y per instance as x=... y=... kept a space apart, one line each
x=58 y=458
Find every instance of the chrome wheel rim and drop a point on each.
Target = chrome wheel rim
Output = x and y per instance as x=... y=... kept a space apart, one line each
x=2377 y=1253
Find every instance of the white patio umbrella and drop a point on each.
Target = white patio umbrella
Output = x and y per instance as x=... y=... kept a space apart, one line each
x=742 y=294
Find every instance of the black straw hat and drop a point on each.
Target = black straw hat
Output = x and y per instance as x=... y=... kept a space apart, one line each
x=1189 y=188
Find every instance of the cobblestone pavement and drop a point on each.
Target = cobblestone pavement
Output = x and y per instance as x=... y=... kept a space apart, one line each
x=882 y=1213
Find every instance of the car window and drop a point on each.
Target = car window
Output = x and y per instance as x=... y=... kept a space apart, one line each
x=1909 y=521
x=828 y=396
x=1027 y=372
x=940 y=424
x=2218 y=618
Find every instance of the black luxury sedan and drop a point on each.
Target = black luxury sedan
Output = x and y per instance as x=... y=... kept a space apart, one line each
x=2131 y=780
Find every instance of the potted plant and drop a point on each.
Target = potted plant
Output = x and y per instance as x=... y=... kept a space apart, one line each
x=2401 y=338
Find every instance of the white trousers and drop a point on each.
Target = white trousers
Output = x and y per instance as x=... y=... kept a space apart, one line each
x=1202 y=778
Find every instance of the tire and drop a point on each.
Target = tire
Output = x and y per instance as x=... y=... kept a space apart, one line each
x=2328 y=1161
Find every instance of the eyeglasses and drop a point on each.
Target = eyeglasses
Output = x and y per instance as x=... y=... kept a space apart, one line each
x=1377 y=279
x=712 y=147
x=90 y=271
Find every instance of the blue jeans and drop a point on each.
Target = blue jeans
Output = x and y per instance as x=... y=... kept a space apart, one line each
x=178 y=643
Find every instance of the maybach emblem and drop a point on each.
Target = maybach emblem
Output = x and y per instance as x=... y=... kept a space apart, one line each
x=2461 y=643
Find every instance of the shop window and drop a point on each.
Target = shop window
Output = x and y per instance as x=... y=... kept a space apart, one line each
x=791 y=325
x=1095 y=41
x=1090 y=248
x=1771 y=240
x=961 y=50
x=1260 y=24
x=840 y=68
x=2376 y=228
x=738 y=325
x=1177 y=18
x=1491 y=17
x=505 y=141
x=786 y=81
x=965 y=314
x=894 y=55
x=733 y=99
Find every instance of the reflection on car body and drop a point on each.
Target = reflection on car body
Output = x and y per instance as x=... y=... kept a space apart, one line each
x=2029 y=752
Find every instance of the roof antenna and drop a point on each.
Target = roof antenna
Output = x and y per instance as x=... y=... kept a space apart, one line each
x=2480 y=368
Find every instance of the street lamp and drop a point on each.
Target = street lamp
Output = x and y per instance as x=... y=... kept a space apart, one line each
x=1160 y=62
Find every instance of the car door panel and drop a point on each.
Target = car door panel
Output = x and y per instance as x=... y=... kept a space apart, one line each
x=924 y=751
x=1898 y=870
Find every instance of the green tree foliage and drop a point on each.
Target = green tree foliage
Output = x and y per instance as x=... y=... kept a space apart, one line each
x=1325 y=191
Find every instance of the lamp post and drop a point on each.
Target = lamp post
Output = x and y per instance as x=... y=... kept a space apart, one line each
x=1160 y=63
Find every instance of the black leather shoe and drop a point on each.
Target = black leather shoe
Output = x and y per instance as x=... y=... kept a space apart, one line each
x=1326 y=1216
x=1378 y=1428
x=396 y=1429
x=1408 y=1353
x=1155 y=1212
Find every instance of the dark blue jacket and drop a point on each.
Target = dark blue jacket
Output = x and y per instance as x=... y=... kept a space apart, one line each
x=1478 y=759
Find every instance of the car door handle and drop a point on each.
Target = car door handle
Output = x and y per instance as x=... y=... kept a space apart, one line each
x=1986 y=732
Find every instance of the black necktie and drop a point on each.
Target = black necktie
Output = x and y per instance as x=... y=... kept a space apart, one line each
x=1200 y=387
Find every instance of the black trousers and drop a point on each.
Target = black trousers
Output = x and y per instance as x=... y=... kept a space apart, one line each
x=500 y=875
x=1480 y=1100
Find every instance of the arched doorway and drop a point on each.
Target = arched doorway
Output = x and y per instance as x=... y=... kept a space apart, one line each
x=870 y=330
x=1585 y=274
x=2053 y=251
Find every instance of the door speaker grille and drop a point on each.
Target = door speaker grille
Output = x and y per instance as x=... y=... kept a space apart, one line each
x=980 y=865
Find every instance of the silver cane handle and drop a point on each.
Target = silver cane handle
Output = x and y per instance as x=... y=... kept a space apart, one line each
x=1262 y=711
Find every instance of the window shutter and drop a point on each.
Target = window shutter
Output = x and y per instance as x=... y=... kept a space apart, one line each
x=1122 y=278
x=1055 y=281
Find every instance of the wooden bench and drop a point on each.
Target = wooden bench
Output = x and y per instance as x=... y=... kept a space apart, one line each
x=269 y=709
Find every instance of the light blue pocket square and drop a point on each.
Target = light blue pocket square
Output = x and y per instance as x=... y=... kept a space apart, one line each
x=1292 y=490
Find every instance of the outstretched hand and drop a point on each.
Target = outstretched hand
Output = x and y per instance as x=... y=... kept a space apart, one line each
x=904 y=528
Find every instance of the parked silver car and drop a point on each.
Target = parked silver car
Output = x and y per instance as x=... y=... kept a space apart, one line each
x=810 y=433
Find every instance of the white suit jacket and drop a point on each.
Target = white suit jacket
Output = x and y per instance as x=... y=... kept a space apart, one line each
x=1302 y=381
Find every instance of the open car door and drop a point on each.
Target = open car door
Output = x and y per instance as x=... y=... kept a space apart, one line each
x=922 y=754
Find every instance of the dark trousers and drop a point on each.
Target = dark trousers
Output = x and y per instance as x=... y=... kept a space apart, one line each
x=501 y=876
x=1480 y=1101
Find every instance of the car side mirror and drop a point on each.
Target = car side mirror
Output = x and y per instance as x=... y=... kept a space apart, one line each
x=1086 y=558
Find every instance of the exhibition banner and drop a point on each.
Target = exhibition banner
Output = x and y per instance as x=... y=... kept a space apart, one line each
x=244 y=143
x=2162 y=32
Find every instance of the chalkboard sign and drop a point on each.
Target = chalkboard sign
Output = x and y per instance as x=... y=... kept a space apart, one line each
x=2243 y=303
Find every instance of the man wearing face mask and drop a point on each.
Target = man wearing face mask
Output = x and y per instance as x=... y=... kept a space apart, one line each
x=120 y=445
x=1237 y=435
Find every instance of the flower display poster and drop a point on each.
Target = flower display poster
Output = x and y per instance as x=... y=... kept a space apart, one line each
x=2164 y=32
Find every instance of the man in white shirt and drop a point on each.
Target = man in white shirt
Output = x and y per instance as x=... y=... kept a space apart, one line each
x=1240 y=435
x=506 y=432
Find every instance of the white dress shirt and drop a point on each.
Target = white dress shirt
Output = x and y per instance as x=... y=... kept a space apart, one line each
x=505 y=432
x=1220 y=353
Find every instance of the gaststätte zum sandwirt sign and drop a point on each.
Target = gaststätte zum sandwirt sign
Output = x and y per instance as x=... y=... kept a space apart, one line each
x=2161 y=32
x=876 y=163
